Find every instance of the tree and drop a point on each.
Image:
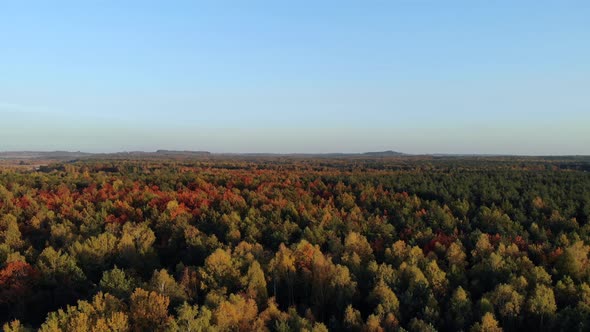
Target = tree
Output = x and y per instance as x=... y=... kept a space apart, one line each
x=508 y=302
x=15 y=326
x=164 y=284
x=273 y=317
x=373 y=324
x=221 y=271
x=149 y=311
x=117 y=282
x=455 y=255
x=58 y=267
x=357 y=251
x=418 y=325
x=61 y=279
x=483 y=247
x=283 y=270
x=237 y=314
x=194 y=319
x=104 y=313
x=10 y=233
x=457 y=263
x=256 y=284
x=135 y=247
x=384 y=300
x=352 y=319
x=436 y=277
x=488 y=324
x=96 y=253
x=495 y=221
x=331 y=284
x=16 y=282
x=574 y=261
x=460 y=309
x=190 y=281
x=541 y=303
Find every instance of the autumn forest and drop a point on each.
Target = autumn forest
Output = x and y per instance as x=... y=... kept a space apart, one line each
x=296 y=244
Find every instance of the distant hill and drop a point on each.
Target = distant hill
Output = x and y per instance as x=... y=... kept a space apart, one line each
x=66 y=155
x=387 y=153
x=185 y=152
x=36 y=158
x=57 y=155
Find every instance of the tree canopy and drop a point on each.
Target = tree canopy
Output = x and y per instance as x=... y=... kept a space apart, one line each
x=296 y=244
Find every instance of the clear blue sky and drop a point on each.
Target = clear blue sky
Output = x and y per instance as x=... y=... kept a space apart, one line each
x=296 y=76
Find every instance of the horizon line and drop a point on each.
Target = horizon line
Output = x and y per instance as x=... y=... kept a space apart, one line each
x=392 y=153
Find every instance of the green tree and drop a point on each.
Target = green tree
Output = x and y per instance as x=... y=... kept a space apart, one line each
x=95 y=254
x=58 y=267
x=117 y=282
x=193 y=319
x=165 y=284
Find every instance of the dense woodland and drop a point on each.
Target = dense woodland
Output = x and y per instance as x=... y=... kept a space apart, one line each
x=297 y=244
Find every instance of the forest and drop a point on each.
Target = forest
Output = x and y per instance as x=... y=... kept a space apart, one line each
x=296 y=244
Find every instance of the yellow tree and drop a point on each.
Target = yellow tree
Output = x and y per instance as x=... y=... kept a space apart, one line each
x=149 y=311
x=238 y=314
x=256 y=284
x=104 y=313
x=282 y=267
x=488 y=324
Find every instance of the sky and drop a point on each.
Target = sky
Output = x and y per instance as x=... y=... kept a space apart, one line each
x=498 y=77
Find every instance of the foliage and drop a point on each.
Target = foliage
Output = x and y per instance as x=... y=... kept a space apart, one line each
x=297 y=244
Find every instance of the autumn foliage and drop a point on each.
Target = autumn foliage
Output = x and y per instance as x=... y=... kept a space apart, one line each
x=297 y=244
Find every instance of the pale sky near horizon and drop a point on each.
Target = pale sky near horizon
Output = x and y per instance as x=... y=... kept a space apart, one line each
x=498 y=77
